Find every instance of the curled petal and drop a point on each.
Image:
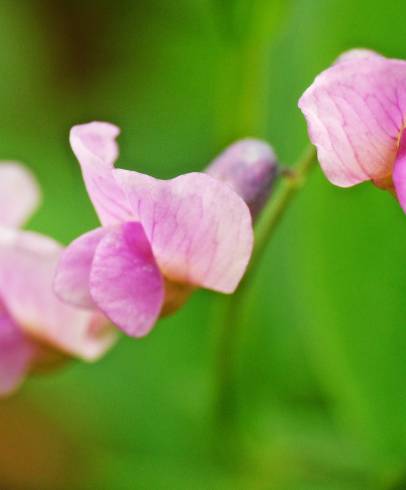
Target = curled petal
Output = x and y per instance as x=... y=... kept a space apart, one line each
x=27 y=267
x=125 y=281
x=16 y=353
x=19 y=194
x=355 y=112
x=200 y=230
x=71 y=282
x=96 y=150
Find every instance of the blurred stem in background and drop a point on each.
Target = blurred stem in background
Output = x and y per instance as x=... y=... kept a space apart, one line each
x=232 y=318
x=247 y=28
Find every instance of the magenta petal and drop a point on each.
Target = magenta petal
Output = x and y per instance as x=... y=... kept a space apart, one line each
x=125 y=281
x=16 y=353
x=71 y=282
x=27 y=268
x=19 y=194
x=399 y=172
x=199 y=228
x=96 y=149
x=355 y=111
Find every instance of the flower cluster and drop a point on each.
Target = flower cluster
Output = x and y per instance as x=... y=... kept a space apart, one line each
x=159 y=240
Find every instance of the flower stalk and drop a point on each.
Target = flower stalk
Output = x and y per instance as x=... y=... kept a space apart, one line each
x=232 y=316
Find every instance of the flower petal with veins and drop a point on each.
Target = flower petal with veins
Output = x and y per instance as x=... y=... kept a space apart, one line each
x=125 y=281
x=72 y=277
x=19 y=194
x=27 y=267
x=96 y=150
x=200 y=230
x=355 y=112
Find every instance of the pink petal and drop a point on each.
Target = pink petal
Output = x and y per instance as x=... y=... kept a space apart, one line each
x=96 y=149
x=355 y=111
x=71 y=282
x=27 y=267
x=358 y=54
x=200 y=229
x=399 y=172
x=16 y=353
x=125 y=281
x=19 y=194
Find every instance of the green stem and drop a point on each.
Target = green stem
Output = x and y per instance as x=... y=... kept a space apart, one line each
x=232 y=319
x=292 y=181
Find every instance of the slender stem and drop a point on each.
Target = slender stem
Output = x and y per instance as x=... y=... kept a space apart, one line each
x=292 y=181
x=233 y=315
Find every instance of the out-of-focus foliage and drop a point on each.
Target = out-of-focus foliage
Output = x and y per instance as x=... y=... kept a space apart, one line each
x=322 y=363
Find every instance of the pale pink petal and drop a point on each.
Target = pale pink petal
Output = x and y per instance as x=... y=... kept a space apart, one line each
x=27 y=268
x=96 y=149
x=199 y=228
x=71 y=282
x=355 y=111
x=125 y=281
x=16 y=353
x=399 y=172
x=358 y=54
x=19 y=194
x=249 y=167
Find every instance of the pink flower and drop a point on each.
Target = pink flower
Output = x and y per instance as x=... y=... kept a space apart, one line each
x=356 y=112
x=159 y=239
x=34 y=323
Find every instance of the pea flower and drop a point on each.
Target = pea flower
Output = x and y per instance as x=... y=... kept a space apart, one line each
x=356 y=112
x=159 y=239
x=36 y=328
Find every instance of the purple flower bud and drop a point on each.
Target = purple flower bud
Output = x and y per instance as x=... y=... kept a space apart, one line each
x=249 y=166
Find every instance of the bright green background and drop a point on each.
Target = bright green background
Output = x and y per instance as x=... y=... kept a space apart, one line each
x=322 y=367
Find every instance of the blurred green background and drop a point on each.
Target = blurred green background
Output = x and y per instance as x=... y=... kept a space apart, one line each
x=320 y=379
